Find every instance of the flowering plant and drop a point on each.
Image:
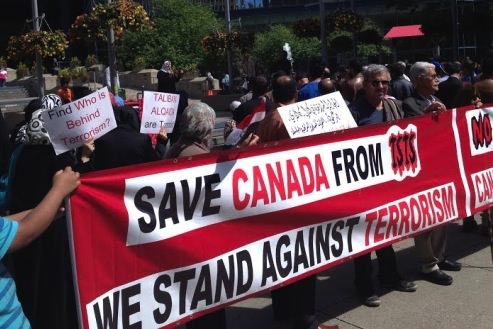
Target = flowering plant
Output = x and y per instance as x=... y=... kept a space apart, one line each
x=119 y=15
x=345 y=20
x=216 y=43
x=307 y=28
x=44 y=43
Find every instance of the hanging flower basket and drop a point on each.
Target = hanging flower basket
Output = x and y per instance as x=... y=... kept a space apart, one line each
x=45 y=43
x=345 y=20
x=217 y=42
x=119 y=15
x=307 y=28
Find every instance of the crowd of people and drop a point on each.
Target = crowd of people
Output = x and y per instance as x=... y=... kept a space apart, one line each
x=34 y=226
x=378 y=93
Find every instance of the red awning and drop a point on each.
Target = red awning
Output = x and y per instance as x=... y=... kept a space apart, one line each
x=404 y=31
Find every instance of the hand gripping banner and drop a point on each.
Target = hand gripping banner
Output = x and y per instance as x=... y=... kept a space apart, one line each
x=158 y=244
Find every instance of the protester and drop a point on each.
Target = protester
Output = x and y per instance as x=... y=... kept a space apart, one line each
x=247 y=67
x=310 y=90
x=352 y=82
x=425 y=82
x=293 y=305
x=400 y=87
x=196 y=127
x=484 y=84
x=260 y=86
x=372 y=107
x=210 y=82
x=18 y=133
x=430 y=245
x=3 y=76
x=65 y=92
x=226 y=83
x=469 y=71
x=326 y=86
x=42 y=270
x=19 y=230
x=107 y=80
x=476 y=94
x=442 y=75
x=5 y=145
x=124 y=145
x=301 y=79
x=451 y=87
x=167 y=79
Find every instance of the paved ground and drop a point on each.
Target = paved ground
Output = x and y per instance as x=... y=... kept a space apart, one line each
x=467 y=303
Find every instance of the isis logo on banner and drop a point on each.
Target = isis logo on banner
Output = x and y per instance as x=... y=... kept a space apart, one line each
x=403 y=145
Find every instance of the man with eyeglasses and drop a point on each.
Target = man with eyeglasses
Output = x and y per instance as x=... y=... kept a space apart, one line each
x=425 y=81
x=374 y=106
x=430 y=246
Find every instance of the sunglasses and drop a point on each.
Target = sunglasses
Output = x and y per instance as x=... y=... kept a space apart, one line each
x=376 y=83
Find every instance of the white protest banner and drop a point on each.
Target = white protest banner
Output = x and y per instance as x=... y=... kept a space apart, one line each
x=317 y=115
x=159 y=110
x=70 y=125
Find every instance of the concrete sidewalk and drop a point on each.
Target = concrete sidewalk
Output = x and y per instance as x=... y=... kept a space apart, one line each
x=467 y=303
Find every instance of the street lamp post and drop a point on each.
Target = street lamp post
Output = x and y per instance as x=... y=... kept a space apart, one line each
x=228 y=46
x=323 y=32
x=455 y=43
x=112 y=58
x=39 y=64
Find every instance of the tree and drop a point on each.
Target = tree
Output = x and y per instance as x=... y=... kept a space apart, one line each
x=269 y=44
x=177 y=35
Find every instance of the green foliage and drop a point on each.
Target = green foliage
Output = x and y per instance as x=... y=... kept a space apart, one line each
x=308 y=27
x=218 y=42
x=91 y=60
x=45 y=43
x=177 y=35
x=22 y=70
x=120 y=15
x=370 y=33
x=72 y=73
x=268 y=46
x=372 y=50
x=139 y=63
x=340 y=41
x=74 y=62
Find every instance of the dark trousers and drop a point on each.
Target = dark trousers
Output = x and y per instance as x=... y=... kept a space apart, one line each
x=214 y=320
x=296 y=303
x=363 y=270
